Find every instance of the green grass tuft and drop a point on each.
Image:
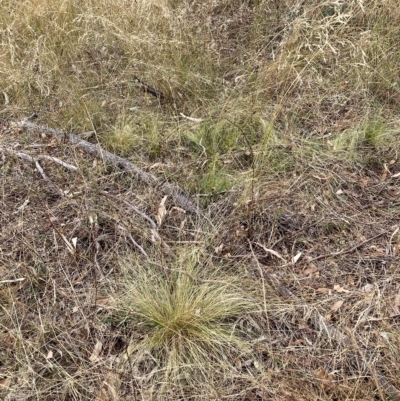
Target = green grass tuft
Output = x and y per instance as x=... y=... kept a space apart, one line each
x=184 y=321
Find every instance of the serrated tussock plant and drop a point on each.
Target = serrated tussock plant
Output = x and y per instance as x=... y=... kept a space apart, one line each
x=182 y=318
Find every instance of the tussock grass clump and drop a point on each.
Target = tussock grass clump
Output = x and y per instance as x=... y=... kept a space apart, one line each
x=134 y=133
x=186 y=322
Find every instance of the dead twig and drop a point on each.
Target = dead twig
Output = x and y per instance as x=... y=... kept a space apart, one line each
x=345 y=251
x=17 y=280
x=262 y=279
x=378 y=383
x=52 y=186
x=183 y=201
x=129 y=235
x=149 y=89
x=70 y=247
x=25 y=156
x=134 y=208
x=192 y=119
x=39 y=168
x=58 y=161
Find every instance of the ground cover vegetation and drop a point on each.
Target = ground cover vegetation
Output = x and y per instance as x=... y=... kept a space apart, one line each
x=279 y=120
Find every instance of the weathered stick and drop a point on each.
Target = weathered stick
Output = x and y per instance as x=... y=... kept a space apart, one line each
x=183 y=201
x=39 y=168
x=149 y=89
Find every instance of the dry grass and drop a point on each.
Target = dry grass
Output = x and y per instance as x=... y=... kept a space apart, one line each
x=295 y=152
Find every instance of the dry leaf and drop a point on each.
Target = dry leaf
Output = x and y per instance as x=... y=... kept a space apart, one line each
x=102 y=301
x=311 y=269
x=326 y=379
x=363 y=182
x=385 y=335
x=109 y=390
x=324 y=290
x=153 y=166
x=70 y=248
x=338 y=288
x=5 y=383
x=350 y=279
x=271 y=251
x=367 y=288
x=22 y=207
x=396 y=307
x=320 y=373
x=155 y=237
x=182 y=225
x=162 y=211
x=385 y=171
x=219 y=248
x=178 y=209
x=96 y=352
x=6 y=99
x=296 y=258
x=49 y=355
x=54 y=142
x=335 y=307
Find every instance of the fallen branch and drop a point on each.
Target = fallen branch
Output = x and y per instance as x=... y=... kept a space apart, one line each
x=114 y=160
x=52 y=186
